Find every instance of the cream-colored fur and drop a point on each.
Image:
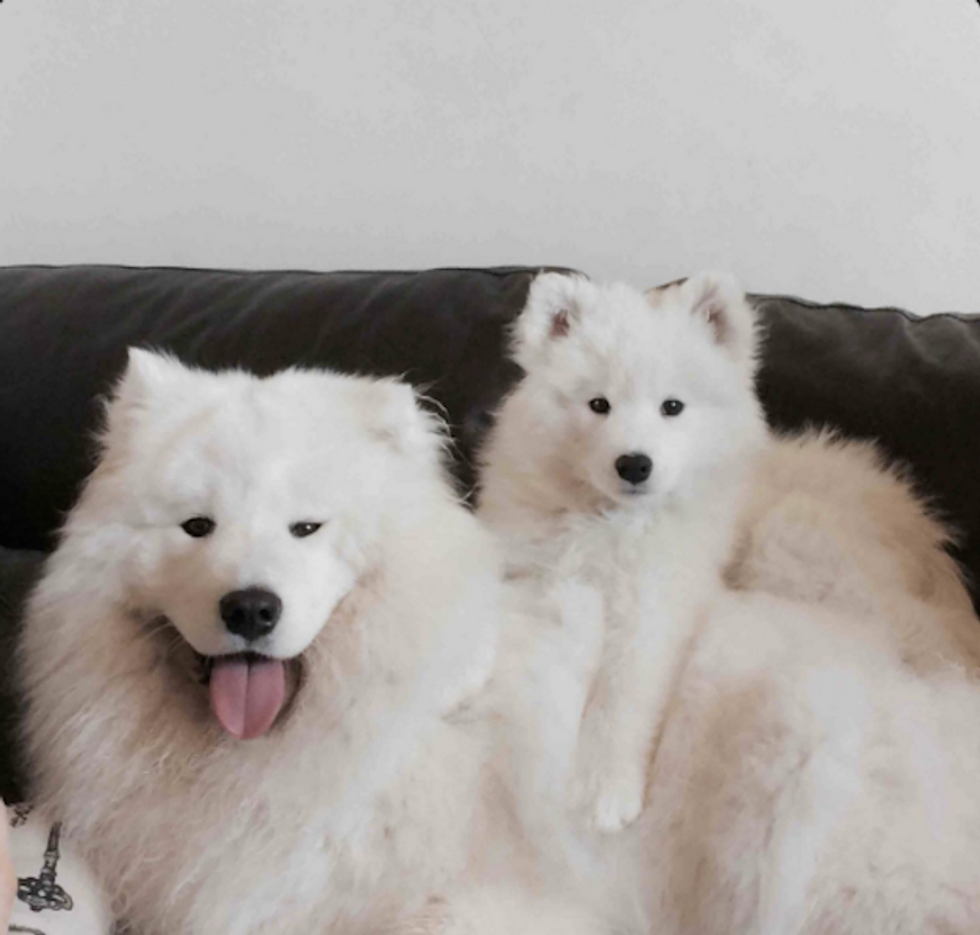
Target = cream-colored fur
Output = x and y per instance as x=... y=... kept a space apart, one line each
x=816 y=771
x=655 y=551
x=808 y=780
x=365 y=798
x=829 y=522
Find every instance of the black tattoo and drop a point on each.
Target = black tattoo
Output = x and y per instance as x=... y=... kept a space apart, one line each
x=41 y=892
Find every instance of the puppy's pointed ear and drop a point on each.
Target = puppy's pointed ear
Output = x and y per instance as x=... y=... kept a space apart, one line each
x=718 y=300
x=552 y=311
x=396 y=417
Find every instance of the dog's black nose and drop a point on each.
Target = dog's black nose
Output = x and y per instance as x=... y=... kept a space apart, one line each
x=251 y=613
x=634 y=468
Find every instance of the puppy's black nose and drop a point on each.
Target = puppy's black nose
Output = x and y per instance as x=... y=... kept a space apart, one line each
x=634 y=468
x=251 y=613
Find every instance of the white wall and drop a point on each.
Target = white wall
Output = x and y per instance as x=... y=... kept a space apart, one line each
x=829 y=148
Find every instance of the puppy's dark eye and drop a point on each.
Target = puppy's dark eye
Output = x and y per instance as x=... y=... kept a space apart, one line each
x=198 y=526
x=302 y=530
x=600 y=405
x=672 y=407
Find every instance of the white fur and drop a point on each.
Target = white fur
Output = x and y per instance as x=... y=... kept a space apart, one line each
x=551 y=490
x=808 y=780
x=818 y=770
x=363 y=800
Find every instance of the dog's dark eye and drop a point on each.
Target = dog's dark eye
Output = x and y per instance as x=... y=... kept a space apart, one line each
x=600 y=405
x=302 y=530
x=198 y=527
x=672 y=407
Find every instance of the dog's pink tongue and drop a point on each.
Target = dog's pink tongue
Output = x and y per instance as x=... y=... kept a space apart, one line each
x=247 y=694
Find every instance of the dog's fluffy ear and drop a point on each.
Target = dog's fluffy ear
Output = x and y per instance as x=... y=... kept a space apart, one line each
x=718 y=300
x=552 y=311
x=396 y=417
x=149 y=375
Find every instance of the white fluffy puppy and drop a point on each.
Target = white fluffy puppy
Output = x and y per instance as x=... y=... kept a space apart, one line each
x=620 y=461
x=246 y=662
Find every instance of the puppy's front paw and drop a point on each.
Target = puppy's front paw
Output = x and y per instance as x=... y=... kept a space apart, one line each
x=609 y=797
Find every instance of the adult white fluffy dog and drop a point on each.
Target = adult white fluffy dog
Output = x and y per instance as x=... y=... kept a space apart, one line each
x=816 y=769
x=249 y=661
